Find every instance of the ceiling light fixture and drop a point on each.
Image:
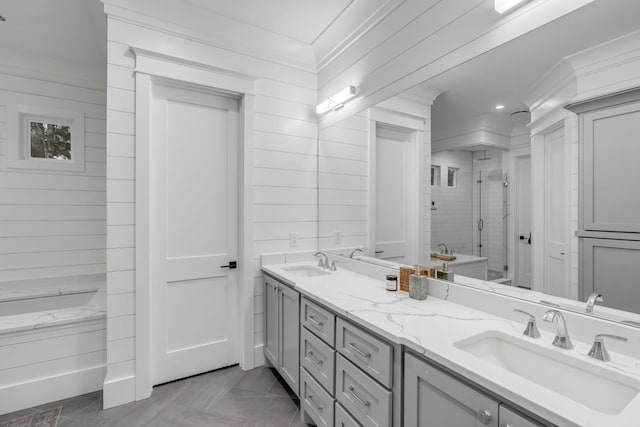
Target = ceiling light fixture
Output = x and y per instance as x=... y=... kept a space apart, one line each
x=503 y=6
x=336 y=101
x=499 y=107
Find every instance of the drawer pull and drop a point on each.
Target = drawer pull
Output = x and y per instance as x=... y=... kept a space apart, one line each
x=353 y=394
x=315 y=323
x=313 y=403
x=314 y=359
x=360 y=352
x=484 y=417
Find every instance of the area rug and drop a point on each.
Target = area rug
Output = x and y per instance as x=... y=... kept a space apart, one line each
x=48 y=418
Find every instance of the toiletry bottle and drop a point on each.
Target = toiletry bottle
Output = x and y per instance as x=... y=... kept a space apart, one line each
x=418 y=285
x=392 y=282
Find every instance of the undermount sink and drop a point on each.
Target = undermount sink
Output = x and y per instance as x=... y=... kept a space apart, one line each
x=581 y=381
x=306 y=271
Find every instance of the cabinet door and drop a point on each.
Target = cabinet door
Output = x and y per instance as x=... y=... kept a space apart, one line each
x=609 y=267
x=271 y=340
x=289 y=366
x=435 y=399
x=610 y=173
x=510 y=418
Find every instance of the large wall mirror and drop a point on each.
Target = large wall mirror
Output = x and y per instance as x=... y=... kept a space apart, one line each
x=443 y=168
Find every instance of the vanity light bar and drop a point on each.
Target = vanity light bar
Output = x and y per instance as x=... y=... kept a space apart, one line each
x=336 y=101
x=503 y=6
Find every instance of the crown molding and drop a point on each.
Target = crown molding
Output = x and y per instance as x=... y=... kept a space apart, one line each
x=192 y=22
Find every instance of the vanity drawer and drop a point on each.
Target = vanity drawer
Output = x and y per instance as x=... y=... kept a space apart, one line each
x=319 y=321
x=344 y=418
x=368 y=402
x=369 y=353
x=318 y=358
x=316 y=402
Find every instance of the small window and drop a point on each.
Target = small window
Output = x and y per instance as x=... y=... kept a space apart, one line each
x=435 y=176
x=47 y=139
x=452 y=177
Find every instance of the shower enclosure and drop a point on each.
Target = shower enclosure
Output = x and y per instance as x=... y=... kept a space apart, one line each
x=491 y=212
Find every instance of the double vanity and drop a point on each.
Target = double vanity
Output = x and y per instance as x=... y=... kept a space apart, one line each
x=358 y=355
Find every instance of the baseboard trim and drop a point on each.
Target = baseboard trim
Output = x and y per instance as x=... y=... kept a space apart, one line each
x=118 y=391
x=258 y=355
x=16 y=397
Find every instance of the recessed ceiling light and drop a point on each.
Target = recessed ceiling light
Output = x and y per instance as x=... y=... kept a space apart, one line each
x=499 y=107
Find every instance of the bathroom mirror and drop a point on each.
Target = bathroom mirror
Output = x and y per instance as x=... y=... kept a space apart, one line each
x=475 y=180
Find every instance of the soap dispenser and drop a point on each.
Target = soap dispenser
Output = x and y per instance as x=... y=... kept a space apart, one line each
x=418 y=285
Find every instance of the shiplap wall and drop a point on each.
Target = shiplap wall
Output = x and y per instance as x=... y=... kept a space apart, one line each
x=343 y=183
x=285 y=176
x=53 y=223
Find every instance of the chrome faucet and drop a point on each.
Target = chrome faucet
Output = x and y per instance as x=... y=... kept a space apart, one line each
x=531 y=330
x=323 y=262
x=598 y=350
x=354 y=252
x=593 y=299
x=443 y=248
x=562 y=339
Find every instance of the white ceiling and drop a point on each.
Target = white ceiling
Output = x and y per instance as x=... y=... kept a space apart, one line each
x=507 y=74
x=302 y=20
x=68 y=30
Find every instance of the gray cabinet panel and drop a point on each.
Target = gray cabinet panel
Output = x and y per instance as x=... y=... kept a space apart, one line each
x=318 y=358
x=366 y=351
x=289 y=366
x=612 y=268
x=344 y=418
x=365 y=399
x=511 y=418
x=271 y=340
x=316 y=403
x=319 y=321
x=610 y=151
x=435 y=399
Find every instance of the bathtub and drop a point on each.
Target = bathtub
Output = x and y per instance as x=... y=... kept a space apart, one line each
x=52 y=340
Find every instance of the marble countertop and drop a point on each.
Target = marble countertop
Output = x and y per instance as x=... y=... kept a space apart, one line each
x=432 y=327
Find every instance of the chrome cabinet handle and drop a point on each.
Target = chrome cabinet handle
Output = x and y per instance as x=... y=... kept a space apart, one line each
x=360 y=352
x=314 y=359
x=353 y=394
x=484 y=416
x=314 y=322
x=313 y=403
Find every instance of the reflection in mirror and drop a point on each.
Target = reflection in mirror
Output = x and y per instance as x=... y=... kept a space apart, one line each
x=497 y=187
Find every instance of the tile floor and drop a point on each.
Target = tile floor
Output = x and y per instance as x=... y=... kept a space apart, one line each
x=227 y=397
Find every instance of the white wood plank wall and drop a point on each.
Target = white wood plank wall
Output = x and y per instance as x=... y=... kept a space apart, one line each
x=285 y=175
x=343 y=159
x=53 y=223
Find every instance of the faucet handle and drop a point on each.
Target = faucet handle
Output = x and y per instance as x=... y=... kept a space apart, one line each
x=599 y=351
x=333 y=266
x=532 y=329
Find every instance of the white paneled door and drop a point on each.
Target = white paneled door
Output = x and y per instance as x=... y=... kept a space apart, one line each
x=555 y=282
x=194 y=232
x=392 y=158
x=523 y=222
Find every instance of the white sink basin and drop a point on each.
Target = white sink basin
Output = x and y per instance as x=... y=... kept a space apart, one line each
x=586 y=383
x=306 y=271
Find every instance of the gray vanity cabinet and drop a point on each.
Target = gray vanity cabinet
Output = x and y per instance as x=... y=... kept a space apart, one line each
x=435 y=399
x=510 y=418
x=282 y=330
x=609 y=201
